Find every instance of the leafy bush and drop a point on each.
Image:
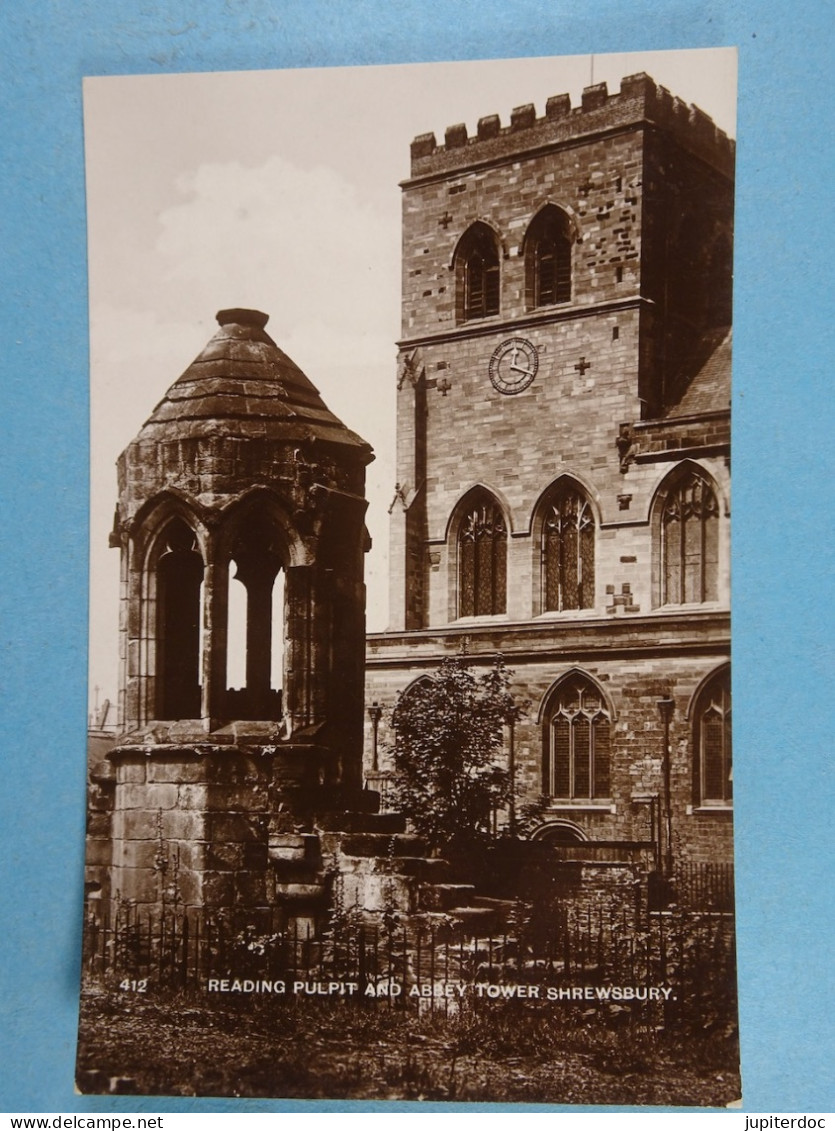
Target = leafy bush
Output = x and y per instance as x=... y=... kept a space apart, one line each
x=449 y=738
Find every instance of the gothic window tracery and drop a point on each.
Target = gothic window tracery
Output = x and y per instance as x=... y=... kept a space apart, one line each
x=482 y=558
x=577 y=743
x=567 y=551
x=688 y=531
x=712 y=742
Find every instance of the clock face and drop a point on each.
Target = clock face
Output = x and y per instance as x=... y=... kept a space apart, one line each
x=513 y=365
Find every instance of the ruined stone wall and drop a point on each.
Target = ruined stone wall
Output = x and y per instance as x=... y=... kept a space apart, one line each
x=191 y=829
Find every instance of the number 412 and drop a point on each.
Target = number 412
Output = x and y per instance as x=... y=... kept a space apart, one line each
x=137 y=985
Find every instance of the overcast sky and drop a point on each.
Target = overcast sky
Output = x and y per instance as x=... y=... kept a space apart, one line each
x=278 y=190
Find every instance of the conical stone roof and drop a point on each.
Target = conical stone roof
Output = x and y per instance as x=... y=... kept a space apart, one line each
x=242 y=384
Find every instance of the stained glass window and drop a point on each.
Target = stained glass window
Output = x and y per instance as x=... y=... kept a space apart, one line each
x=690 y=542
x=713 y=741
x=577 y=743
x=482 y=555
x=568 y=552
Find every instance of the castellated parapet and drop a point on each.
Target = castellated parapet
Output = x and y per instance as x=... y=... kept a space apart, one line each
x=640 y=101
x=563 y=380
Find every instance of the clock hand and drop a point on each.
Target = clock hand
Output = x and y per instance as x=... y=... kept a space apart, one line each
x=519 y=369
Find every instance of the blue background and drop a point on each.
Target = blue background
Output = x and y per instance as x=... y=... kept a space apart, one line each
x=782 y=469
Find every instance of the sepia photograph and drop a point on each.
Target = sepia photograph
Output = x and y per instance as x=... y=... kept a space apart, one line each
x=410 y=744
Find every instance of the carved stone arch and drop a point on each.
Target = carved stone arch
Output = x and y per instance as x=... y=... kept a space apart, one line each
x=455 y=515
x=478 y=536
x=419 y=680
x=151 y=519
x=484 y=222
x=685 y=516
x=559 y=206
x=573 y=673
x=422 y=680
x=164 y=547
x=558 y=832
x=583 y=484
x=716 y=474
x=564 y=525
x=714 y=673
x=577 y=727
x=259 y=505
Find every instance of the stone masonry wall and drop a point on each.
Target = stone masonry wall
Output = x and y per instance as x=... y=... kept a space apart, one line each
x=638 y=100
x=599 y=184
x=191 y=829
x=632 y=686
x=604 y=359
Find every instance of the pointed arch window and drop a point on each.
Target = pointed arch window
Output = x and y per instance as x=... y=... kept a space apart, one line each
x=415 y=690
x=477 y=273
x=179 y=580
x=482 y=558
x=548 y=258
x=567 y=551
x=688 y=532
x=577 y=743
x=712 y=742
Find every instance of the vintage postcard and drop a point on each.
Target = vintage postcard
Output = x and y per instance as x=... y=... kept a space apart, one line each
x=410 y=737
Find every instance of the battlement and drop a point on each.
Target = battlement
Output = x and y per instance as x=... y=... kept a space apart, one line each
x=640 y=100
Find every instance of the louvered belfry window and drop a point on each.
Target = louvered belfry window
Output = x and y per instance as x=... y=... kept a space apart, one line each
x=577 y=743
x=713 y=742
x=690 y=542
x=548 y=258
x=482 y=556
x=568 y=552
x=480 y=274
x=553 y=257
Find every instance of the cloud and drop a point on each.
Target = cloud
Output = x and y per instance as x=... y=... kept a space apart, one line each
x=298 y=238
x=297 y=243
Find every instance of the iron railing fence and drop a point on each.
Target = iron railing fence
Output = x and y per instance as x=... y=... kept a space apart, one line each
x=686 y=958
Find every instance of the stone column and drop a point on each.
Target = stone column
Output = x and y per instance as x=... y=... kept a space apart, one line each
x=298 y=675
x=215 y=616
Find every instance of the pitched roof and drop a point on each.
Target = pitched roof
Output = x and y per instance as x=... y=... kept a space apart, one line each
x=243 y=384
x=709 y=389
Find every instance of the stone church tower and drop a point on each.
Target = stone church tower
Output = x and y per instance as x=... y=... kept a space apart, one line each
x=563 y=458
x=240 y=479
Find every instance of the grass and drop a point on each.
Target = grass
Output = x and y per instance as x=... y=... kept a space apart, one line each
x=180 y=1044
